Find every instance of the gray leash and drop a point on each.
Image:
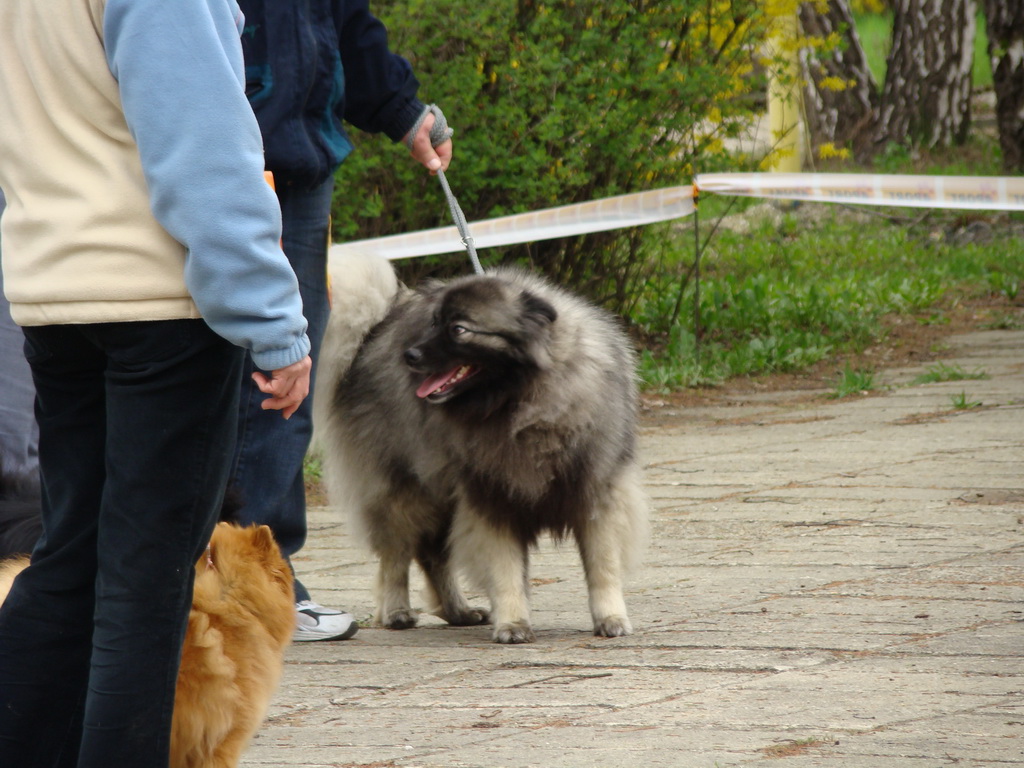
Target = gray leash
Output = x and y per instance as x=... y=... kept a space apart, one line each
x=440 y=133
x=460 y=223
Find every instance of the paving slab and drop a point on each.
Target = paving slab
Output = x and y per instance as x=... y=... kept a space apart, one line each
x=829 y=583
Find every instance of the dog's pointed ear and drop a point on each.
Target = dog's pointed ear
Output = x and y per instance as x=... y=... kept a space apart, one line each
x=536 y=309
x=537 y=316
x=263 y=539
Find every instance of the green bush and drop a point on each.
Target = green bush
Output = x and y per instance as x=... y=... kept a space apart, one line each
x=555 y=103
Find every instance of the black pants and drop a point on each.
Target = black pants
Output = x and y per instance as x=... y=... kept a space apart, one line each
x=137 y=424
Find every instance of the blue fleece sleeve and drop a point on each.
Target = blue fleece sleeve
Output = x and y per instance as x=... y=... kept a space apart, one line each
x=181 y=78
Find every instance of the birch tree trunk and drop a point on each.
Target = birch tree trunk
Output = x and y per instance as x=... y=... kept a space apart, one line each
x=1004 y=21
x=845 y=116
x=926 y=101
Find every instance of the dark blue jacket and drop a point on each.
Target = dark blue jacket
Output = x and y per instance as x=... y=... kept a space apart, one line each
x=309 y=64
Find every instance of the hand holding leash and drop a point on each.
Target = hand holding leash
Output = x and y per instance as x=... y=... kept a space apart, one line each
x=437 y=133
x=430 y=140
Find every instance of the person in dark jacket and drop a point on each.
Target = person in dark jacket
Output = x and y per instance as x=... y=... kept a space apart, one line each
x=311 y=66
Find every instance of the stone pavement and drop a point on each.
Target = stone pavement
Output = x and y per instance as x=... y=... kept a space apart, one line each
x=829 y=583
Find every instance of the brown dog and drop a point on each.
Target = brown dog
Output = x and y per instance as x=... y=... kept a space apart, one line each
x=242 y=619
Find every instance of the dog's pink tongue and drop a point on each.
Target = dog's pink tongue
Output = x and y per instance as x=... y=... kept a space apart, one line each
x=433 y=383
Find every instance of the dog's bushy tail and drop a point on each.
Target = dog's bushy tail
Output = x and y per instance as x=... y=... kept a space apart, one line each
x=363 y=288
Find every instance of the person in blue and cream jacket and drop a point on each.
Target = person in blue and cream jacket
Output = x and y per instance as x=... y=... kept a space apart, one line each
x=141 y=257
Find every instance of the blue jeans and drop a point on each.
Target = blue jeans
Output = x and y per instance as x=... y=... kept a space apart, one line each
x=270 y=451
x=136 y=423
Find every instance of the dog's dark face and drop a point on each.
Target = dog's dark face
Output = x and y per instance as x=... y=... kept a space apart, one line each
x=486 y=336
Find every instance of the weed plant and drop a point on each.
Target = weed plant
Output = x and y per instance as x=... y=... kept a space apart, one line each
x=943 y=372
x=962 y=402
x=854 y=382
x=1004 y=321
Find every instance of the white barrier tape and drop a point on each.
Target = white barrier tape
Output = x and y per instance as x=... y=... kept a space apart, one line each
x=968 y=192
x=971 y=192
x=598 y=216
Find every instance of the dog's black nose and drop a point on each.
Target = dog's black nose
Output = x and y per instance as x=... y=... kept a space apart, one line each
x=413 y=356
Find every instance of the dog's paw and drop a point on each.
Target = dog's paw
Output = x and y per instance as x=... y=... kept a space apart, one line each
x=612 y=626
x=403 y=618
x=468 y=618
x=517 y=632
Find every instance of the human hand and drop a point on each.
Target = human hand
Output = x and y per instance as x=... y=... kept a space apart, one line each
x=287 y=387
x=433 y=158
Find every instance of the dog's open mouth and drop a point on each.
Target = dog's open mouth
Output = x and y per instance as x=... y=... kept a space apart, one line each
x=441 y=386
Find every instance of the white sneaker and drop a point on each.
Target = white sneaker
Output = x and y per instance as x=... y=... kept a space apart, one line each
x=314 y=622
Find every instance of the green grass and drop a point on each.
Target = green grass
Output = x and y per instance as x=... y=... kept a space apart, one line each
x=1004 y=321
x=875 y=30
x=853 y=382
x=818 y=285
x=943 y=372
x=312 y=468
x=962 y=402
x=979 y=156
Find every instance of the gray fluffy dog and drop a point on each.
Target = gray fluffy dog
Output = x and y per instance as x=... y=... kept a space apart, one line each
x=462 y=420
